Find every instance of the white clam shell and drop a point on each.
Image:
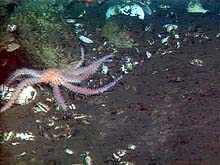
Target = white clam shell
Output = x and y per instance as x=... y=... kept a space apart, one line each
x=69 y=151
x=85 y=39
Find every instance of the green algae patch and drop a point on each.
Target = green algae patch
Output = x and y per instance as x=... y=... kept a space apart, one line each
x=118 y=35
x=48 y=40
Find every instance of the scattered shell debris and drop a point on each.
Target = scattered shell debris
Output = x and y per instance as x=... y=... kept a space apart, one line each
x=9 y=136
x=52 y=128
x=196 y=62
x=128 y=65
x=27 y=95
x=25 y=136
x=172 y=38
x=56 y=132
x=166 y=52
x=41 y=107
x=120 y=153
x=72 y=106
x=81 y=116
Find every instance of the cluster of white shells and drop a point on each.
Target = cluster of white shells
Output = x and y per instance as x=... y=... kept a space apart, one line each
x=27 y=95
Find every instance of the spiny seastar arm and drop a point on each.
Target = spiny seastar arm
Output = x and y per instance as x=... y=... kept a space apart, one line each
x=83 y=73
x=88 y=91
x=58 y=96
x=18 y=89
x=22 y=72
x=82 y=58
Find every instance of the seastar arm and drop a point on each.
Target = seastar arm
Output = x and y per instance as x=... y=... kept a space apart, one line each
x=19 y=88
x=22 y=72
x=83 y=73
x=82 y=58
x=88 y=91
x=58 y=96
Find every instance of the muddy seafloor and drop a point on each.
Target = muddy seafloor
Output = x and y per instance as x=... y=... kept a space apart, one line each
x=167 y=107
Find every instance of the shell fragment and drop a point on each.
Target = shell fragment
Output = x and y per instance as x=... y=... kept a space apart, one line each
x=69 y=151
x=85 y=39
x=41 y=107
x=104 y=69
x=148 y=54
x=196 y=62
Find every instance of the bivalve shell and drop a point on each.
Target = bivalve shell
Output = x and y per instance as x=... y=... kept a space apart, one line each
x=85 y=39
